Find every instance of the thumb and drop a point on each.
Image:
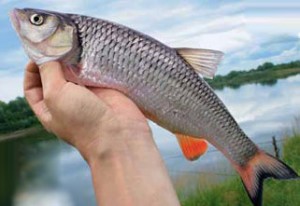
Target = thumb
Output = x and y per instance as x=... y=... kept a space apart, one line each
x=52 y=78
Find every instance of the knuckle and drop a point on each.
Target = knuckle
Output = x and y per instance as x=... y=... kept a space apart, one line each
x=47 y=99
x=49 y=96
x=47 y=124
x=66 y=88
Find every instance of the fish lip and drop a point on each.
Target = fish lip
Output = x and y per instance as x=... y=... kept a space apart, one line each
x=14 y=16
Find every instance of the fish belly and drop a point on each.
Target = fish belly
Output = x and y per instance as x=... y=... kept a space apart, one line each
x=161 y=83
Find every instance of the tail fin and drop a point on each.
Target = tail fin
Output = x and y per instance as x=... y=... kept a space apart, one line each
x=260 y=167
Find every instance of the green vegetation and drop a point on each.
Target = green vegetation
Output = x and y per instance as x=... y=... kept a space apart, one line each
x=266 y=74
x=231 y=192
x=16 y=115
x=18 y=160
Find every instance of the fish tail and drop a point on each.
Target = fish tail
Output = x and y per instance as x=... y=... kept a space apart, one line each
x=260 y=167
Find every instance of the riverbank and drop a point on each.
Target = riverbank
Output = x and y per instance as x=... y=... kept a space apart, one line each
x=231 y=192
x=265 y=74
x=20 y=133
x=16 y=114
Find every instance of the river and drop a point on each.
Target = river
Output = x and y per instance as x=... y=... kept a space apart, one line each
x=54 y=173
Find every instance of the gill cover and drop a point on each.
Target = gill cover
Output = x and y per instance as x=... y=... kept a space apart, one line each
x=61 y=42
x=45 y=36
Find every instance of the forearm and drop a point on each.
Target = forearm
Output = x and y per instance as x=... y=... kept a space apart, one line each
x=131 y=172
x=109 y=131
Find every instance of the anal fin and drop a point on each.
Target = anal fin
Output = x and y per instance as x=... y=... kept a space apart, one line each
x=191 y=147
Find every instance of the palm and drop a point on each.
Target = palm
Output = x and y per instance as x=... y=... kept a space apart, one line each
x=97 y=110
x=119 y=104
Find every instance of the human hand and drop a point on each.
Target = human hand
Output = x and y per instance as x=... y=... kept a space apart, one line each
x=78 y=115
x=109 y=131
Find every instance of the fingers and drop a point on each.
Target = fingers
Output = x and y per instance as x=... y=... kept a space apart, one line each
x=118 y=102
x=52 y=78
x=111 y=96
x=32 y=67
x=41 y=84
x=34 y=93
x=32 y=84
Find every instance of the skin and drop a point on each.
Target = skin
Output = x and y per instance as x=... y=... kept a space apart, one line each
x=109 y=131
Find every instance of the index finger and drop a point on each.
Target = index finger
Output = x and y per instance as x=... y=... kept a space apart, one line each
x=52 y=78
x=32 y=76
x=32 y=84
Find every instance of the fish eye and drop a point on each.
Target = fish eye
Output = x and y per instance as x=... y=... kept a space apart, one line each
x=37 y=19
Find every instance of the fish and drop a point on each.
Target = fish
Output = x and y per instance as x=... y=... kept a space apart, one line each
x=167 y=84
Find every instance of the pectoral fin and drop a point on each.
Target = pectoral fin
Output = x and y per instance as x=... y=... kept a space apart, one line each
x=192 y=148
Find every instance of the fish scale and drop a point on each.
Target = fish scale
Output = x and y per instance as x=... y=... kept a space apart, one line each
x=145 y=64
x=162 y=81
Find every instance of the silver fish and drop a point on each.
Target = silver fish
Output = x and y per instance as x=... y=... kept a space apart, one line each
x=164 y=82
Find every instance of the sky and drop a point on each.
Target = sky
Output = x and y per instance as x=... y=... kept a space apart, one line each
x=248 y=32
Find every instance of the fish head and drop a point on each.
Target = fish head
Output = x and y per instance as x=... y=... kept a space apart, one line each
x=46 y=36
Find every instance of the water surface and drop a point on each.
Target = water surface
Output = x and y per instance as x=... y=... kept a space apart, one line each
x=55 y=173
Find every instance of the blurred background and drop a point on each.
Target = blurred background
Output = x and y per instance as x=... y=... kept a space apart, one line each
x=258 y=80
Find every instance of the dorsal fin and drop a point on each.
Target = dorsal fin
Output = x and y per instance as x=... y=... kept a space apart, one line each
x=192 y=148
x=204 y=61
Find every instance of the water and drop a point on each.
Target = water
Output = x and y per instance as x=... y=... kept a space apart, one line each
x=55 y=173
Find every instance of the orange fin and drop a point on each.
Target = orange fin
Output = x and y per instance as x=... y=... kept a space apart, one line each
x=191 y=147
x=260 y=167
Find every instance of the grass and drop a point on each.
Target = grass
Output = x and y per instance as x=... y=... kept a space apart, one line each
x=232 y=193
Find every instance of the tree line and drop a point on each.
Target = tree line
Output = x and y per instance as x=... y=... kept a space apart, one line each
x=17 y=114
x=266 y=74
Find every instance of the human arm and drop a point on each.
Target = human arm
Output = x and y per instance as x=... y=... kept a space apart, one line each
x=108 y=130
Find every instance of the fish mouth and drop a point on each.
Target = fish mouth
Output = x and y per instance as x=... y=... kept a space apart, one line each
x=15 y=18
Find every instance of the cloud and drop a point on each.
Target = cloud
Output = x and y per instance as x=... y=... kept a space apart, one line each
x=15 y=56
x=274 y=20
x=11 y=74
x=10 y=87
x=4 y=2
x=247 y=36
x=273 y=47
x=276 y=49
x=58 y=5
x=252 y=112
x=279 y=39
x=227 y=41
x=257 y=4
x=186 y=26
x=13 y=62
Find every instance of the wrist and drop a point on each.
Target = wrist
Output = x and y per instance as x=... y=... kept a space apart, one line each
x=116 y=142
x=125 y=171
